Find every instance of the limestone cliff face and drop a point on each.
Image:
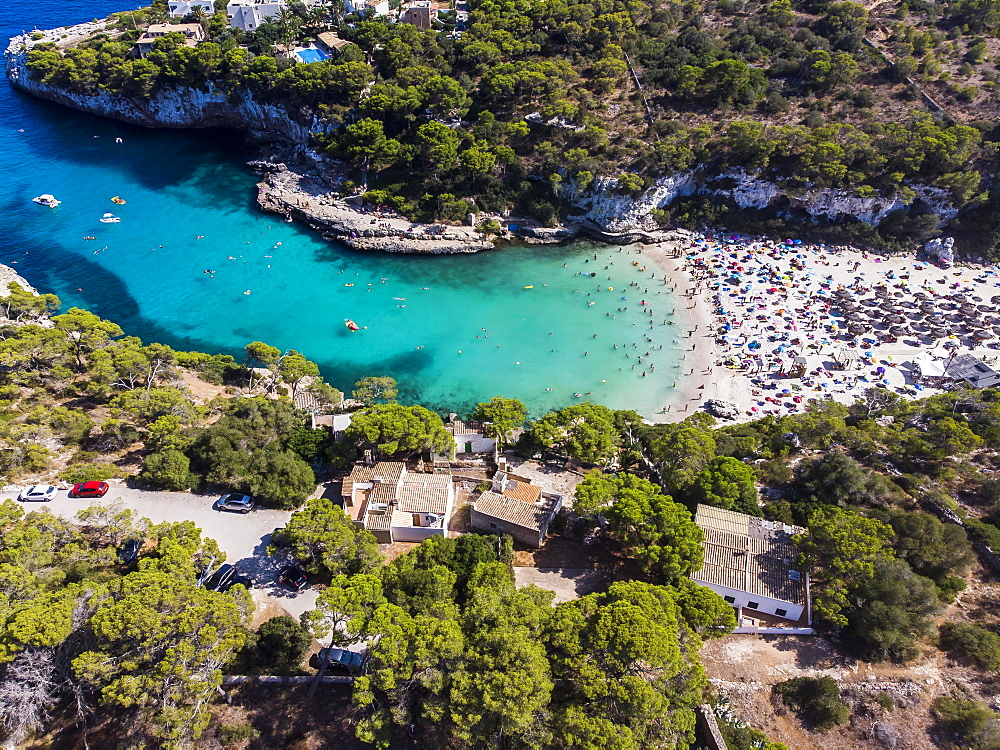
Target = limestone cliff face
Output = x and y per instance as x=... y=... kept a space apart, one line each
x=169 y=108
x=603 y=211
x=615 y=212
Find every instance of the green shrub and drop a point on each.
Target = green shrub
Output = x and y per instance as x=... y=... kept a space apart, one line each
x=97 y=472
x=747 y=738
x=974 y=643
x=967 y=723
x=986 y=533
x=277 y=648
x=168 y=470
x=235 y=734
x=886 y=701
x=816 y=700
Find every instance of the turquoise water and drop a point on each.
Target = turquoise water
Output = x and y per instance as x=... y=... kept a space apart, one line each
x=191 y=208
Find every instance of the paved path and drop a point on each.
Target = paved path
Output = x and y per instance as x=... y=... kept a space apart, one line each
x=244 y=538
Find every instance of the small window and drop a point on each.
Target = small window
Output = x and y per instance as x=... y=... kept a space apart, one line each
x=492 y=525
x=753 y=605
x=781 y=612
x=730 y=599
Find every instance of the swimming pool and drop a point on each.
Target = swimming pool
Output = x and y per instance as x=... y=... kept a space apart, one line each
x=311 y=55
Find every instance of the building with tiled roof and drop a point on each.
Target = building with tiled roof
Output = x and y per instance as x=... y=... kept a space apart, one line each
x=515 y=507
x=395 y=504
x=751 y=563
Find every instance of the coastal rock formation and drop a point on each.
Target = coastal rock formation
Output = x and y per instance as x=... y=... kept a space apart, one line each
x=301 y=193
x=604 y=213
x=7 y=275
x=167 y=108
x=724 y=409
x=617 y=212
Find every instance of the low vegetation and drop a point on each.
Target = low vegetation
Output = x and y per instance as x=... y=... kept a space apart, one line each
x=816 y=700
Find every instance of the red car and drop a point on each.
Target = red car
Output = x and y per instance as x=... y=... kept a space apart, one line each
x=89 y=489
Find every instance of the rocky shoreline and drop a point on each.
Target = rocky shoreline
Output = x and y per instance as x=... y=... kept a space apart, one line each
x=301 y=185
x=310 y=193
x=8 y=275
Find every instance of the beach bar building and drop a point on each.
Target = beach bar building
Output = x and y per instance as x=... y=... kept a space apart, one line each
x=751 y=563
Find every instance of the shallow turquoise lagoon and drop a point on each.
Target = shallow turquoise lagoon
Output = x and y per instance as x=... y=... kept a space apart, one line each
x=453 y=330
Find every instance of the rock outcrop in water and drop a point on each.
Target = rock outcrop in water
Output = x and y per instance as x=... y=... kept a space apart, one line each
x=603 y=213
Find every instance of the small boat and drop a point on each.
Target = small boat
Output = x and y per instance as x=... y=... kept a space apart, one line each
x=46 y=200
x=119 y=200
x=89 y=238
x=351 y=325
x=348 y=284
x=530 y=286
x=109 y=219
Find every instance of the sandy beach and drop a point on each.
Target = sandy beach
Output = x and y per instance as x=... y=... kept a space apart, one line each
x=776 y=324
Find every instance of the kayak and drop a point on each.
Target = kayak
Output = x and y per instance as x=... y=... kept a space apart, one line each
x=351 y=325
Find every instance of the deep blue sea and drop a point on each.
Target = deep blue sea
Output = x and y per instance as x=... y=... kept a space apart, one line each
x=452 y=330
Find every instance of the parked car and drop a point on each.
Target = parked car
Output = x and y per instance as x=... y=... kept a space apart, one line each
x=222 y=579
x=89 y=489
x=237 y=502
x=129 y=551
x=339 y=661
x=293 y=577
x=37 y=493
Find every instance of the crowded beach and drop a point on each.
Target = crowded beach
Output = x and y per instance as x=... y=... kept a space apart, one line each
x=780 y=323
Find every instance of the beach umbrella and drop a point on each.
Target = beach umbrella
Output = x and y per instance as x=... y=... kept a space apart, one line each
x=921 y=295
x=986 y=308
x=898 y=330
x=982 y=335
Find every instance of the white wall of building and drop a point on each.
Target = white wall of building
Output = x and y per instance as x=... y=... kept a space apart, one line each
x=180 y=8
x=764 y=604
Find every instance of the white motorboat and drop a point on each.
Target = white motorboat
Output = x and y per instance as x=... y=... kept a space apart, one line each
x=47 y=200
x=110 y=219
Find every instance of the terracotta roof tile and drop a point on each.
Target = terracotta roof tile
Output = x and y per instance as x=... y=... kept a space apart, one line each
x=517 y=512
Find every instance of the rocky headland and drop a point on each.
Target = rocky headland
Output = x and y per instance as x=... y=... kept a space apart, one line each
x=301 y=185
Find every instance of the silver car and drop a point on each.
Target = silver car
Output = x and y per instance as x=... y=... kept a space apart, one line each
x=236 y=502
x=38 y=493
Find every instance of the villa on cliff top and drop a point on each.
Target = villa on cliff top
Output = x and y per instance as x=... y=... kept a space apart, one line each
x=193 y=33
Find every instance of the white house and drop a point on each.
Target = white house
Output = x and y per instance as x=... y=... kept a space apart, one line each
x=751 y=563
x=470 y=435
x=375 y=7
x=249 y=15
x=181 y=8
x=396 y=505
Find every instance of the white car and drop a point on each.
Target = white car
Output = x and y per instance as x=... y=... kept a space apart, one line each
x=38 y=493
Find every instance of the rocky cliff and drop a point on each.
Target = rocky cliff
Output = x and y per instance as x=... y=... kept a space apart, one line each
x=616 y=212
x=168 y=108
x=603 y=213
